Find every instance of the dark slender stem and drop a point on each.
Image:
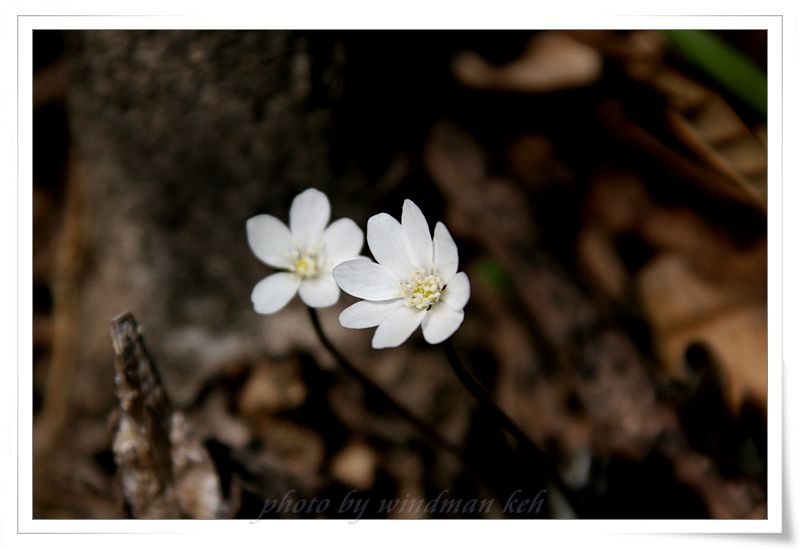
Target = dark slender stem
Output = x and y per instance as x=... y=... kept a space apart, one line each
x=525 y=444
x=375 y=390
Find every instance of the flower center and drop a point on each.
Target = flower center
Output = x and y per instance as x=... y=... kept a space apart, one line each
x=307 y=263
x=421 y=289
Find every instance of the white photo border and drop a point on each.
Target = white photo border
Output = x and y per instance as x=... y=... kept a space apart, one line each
x=389 y=531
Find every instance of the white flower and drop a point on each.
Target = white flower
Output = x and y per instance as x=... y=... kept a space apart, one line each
x=414 y=281
x=308 y=251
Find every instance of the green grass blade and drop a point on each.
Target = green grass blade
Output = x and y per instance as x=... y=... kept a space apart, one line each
x=723 y=63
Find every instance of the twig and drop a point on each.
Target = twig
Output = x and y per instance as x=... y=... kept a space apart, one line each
x=165 y=471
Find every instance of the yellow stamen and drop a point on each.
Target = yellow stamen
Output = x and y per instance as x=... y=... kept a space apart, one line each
x=306 y=263
x=421 y=289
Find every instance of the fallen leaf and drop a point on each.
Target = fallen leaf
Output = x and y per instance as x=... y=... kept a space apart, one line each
x=553 y=61
x=684 y=309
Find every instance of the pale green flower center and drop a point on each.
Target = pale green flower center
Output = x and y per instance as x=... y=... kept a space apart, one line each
x=421 y=289
x=307 y=263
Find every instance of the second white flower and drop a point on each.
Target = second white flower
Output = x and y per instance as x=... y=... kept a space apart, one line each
x=414 y=282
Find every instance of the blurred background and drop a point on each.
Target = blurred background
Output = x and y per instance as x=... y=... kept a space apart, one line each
x=607 y=191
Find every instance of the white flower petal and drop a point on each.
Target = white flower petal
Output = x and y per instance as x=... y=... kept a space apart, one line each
x=367 y=314
x=274 y=292
x=308 y=216
x=386 y=242
x=270 y=240
x=445 y=253
x=320 y=291
x=367 y=280
x=397 y=327
x=417 y=236
x=456 y=294
x=441 y=323
x=342 y=240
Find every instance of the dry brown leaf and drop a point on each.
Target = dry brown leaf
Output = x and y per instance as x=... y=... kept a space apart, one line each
x=621 y=126
x=685 y=309
x=682 y=92
x=728 y=147
x=707 y=249
x=641 y=49
x=553 y=61
x=737 y=340
x=705 y=123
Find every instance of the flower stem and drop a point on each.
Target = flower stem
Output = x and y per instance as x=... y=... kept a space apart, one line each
x=525 y=444
x=376 y=391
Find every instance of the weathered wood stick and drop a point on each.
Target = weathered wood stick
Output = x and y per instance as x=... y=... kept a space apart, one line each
x=166 y=472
